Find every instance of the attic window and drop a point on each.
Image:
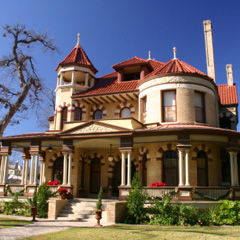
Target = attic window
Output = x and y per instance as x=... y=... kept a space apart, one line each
x=131 y=76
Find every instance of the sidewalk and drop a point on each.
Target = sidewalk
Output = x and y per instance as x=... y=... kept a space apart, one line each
x=40 y=227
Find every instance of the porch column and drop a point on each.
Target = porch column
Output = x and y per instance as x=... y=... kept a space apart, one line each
x=180 y=151
x=5 y=169
x=23 y=170
x=26 y=172
x=236 y=181
x=232 y=168
x=36 y=169
x=41 y=170
x=129 y=169
x=187 y=167
x=64 y=169
x=69 y=168
x=31 y=169
x=2 y=168
x=43 y=173
x=73 y=77
x=123 y=172
x=86 y=79
x=61 y=79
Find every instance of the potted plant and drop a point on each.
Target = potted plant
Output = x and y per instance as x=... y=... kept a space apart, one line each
x=98 y=209
x=63 y=193
x=33 y=205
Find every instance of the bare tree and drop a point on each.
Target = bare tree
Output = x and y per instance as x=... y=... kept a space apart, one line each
x=20 y=85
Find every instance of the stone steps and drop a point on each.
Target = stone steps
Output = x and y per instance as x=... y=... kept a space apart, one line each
x=80 y=210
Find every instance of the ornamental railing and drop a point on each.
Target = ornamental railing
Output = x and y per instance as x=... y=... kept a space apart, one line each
x=14 y=188
x=157 y=191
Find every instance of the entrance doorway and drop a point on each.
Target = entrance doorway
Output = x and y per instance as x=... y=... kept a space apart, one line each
x=95 y=175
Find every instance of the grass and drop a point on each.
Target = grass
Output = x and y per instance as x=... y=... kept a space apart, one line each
x=9 y=222
x=128 y=232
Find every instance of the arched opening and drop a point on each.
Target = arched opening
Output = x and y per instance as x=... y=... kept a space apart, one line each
x=78 y=114
x=64 y=117
x=98 y=114
x=125 y=113
x=144 y=170
x=58 y=169
x=116 y=180
x=202 y=169
x=225 y=164
x=170 y=168
x=225 y=122
x=95 y=175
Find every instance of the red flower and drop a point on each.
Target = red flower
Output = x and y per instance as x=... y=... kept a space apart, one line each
x=53 y=183
x=158 y=184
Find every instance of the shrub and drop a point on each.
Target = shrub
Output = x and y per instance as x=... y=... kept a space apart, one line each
x=99 y=202
x=135 y=202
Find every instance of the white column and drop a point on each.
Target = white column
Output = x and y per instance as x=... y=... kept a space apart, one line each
x=31 y=169
x=69 y=168
x=73 y=77
x=36 y=169
x=61 y=79
x=23 y=171
x=92 y=82
x=43 y=173
x=187 y=168
x=26 y=172
x=236 y=181
x=129 y=169
x=232 y=168
x=41 y=170
x=123 y=175
x=180 y=151
x=64 y=169
x=2 y=169
x=5 y=170
x=86 y=79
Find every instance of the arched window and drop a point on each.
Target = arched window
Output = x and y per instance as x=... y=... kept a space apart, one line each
x=202 y=169
x=98 y=114
x=225 y=122
x=170 y=168
x=58 y=169
x=78 y=114
x=64 y=117
x=125 y=113
x=144 y=170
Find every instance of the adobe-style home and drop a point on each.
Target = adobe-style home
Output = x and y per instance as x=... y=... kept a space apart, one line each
x=169 y=122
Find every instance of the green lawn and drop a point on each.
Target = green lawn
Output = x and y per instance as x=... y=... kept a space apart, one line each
x=9 y=222
x=127 y=232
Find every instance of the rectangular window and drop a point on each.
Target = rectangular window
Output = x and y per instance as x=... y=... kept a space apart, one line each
x=169 y=106
x=199 y=107
x=144 y=104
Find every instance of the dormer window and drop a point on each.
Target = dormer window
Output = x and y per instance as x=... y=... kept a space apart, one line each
x=131 y=76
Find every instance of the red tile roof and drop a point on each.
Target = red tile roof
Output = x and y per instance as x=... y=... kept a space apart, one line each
x=79 y=57
x=227 y=94
x=155 y=64
x=176 y=66
x=136 y=61
x=109 y=84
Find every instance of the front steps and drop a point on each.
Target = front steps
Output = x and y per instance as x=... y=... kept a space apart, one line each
x=81 y=210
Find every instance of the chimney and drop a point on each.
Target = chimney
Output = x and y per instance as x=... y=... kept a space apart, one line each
x=229 y=74
x=207 y=25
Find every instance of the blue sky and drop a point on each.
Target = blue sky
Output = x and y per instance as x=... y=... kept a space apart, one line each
x=113 y=31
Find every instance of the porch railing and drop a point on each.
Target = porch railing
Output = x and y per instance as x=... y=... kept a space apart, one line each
x=157 y=191
x=14 y=188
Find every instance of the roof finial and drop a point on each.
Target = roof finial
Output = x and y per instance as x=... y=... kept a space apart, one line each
x=149 y=55
x=174 y=53
x=78 y=41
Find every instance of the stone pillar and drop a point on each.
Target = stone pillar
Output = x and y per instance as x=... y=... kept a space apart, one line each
x=236 y=180
x=187 y=167
x=23 y=171
x=180 y=151
x=129 y=169
x=123 y=171
x=73 y=77
x=92 y=82
x=86 y=79
x=2 y=168
x=36 y=169
x=5 y=169
x=26 y=172
x=43 y=173
x=41 y=170
x=31 y=169
x=61 y=79
x=65 y=155
x=69 y=168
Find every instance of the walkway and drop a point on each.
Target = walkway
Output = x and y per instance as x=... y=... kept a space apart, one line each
x=40 y=227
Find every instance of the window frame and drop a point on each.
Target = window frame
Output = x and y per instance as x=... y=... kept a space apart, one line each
x=94 y=117
x=123 y=109
x=203 y=108
x=163 y=109
x=78 y=116
x=200 y=169
x=64 y=117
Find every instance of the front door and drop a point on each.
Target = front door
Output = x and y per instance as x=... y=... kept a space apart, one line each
x=95 y=176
